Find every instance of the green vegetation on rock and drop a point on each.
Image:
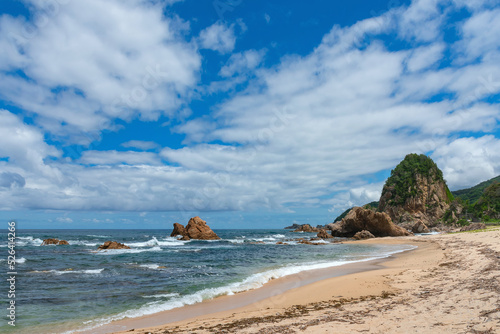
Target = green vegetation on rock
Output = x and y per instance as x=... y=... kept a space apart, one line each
x=404 y=177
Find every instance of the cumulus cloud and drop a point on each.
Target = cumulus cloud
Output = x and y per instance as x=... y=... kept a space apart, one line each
x=85 y=64
x=218 y=37
x=468 y=161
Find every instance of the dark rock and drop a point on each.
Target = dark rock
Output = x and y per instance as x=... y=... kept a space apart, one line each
x=474 y=226
x=323 y=234
x=362 y=235
x=52 y=241
x=178 y=230
x=306 y=228
x=359 y=219
x=292 y=227
x=112 y=245
x=195 y=229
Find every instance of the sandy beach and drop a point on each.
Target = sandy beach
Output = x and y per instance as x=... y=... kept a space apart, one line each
x=449 y=284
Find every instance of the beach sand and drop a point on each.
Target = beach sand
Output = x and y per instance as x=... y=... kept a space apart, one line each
x=450 y=284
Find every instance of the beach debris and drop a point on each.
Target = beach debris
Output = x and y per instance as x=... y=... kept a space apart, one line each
x=52 y=241
x=112 y=245
x=196 y=228
x=358 y=219
x=362 y=235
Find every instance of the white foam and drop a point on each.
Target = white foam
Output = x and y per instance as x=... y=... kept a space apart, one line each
x=126 y=251
x=29 y=240
x=98 y=236
x=70 y=271
x=151 y=266
x=167 y=242
x=83 y=243
x=166 y=295
x=252 y=282
x=21 y=260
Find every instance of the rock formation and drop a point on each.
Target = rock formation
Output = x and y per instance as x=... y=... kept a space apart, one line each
x=419 y=227
x=195 y=229
x=306 y=228
x=112 y=245
x=52 y=241
x=415 y=191
x=292 y=227
x=323 y=234
x=362 y=235
x=474 y=226
x=359 y=219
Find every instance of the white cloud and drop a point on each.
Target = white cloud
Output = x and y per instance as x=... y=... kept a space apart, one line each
x=267 y=18
x=218 y=37
x=423 y=57
x=468 y=161
x=476 y=42
x=118 y=157
x=242 y=62
x=140 y=144
x=90 y=62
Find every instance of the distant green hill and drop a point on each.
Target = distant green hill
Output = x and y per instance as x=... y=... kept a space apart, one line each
x=473 y=194
x=371 y=205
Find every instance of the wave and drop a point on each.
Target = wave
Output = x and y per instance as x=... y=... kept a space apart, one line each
x=252 y=282
x=98 y=236
x=165 y=295
x=71 y=271
x=20 y=260
x=152 y=266
x=126 y=251
x=167 y=242
x=83 y=243
x=29 y=240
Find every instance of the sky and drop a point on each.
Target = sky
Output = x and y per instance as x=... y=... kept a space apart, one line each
x=250 y=114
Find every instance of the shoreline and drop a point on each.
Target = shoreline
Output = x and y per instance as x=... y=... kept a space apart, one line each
x=270 y=296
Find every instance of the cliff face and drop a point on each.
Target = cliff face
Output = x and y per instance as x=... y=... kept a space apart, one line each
x=415 y=192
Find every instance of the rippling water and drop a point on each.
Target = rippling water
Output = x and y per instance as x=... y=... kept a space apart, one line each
x=60 y=288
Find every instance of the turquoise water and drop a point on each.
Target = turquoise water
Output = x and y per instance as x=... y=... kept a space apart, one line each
x=60 y=288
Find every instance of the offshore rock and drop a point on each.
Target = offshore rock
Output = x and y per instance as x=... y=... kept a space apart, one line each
x=51 y=241
x=306 y=228
x=358 y=219
x=112 y=245
x=196 y=228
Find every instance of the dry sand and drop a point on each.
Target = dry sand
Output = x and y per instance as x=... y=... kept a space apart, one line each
x=450 y=284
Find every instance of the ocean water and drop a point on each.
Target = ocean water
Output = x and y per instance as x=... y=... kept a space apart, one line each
x=62 y=288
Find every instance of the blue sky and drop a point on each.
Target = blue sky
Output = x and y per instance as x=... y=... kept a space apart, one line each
x=251 y=114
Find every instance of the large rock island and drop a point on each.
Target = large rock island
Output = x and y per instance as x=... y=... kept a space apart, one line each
x=195 y=229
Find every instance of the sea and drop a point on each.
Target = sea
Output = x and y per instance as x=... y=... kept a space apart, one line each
x=63 y=289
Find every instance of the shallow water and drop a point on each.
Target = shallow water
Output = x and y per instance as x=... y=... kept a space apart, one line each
x=60 y=288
